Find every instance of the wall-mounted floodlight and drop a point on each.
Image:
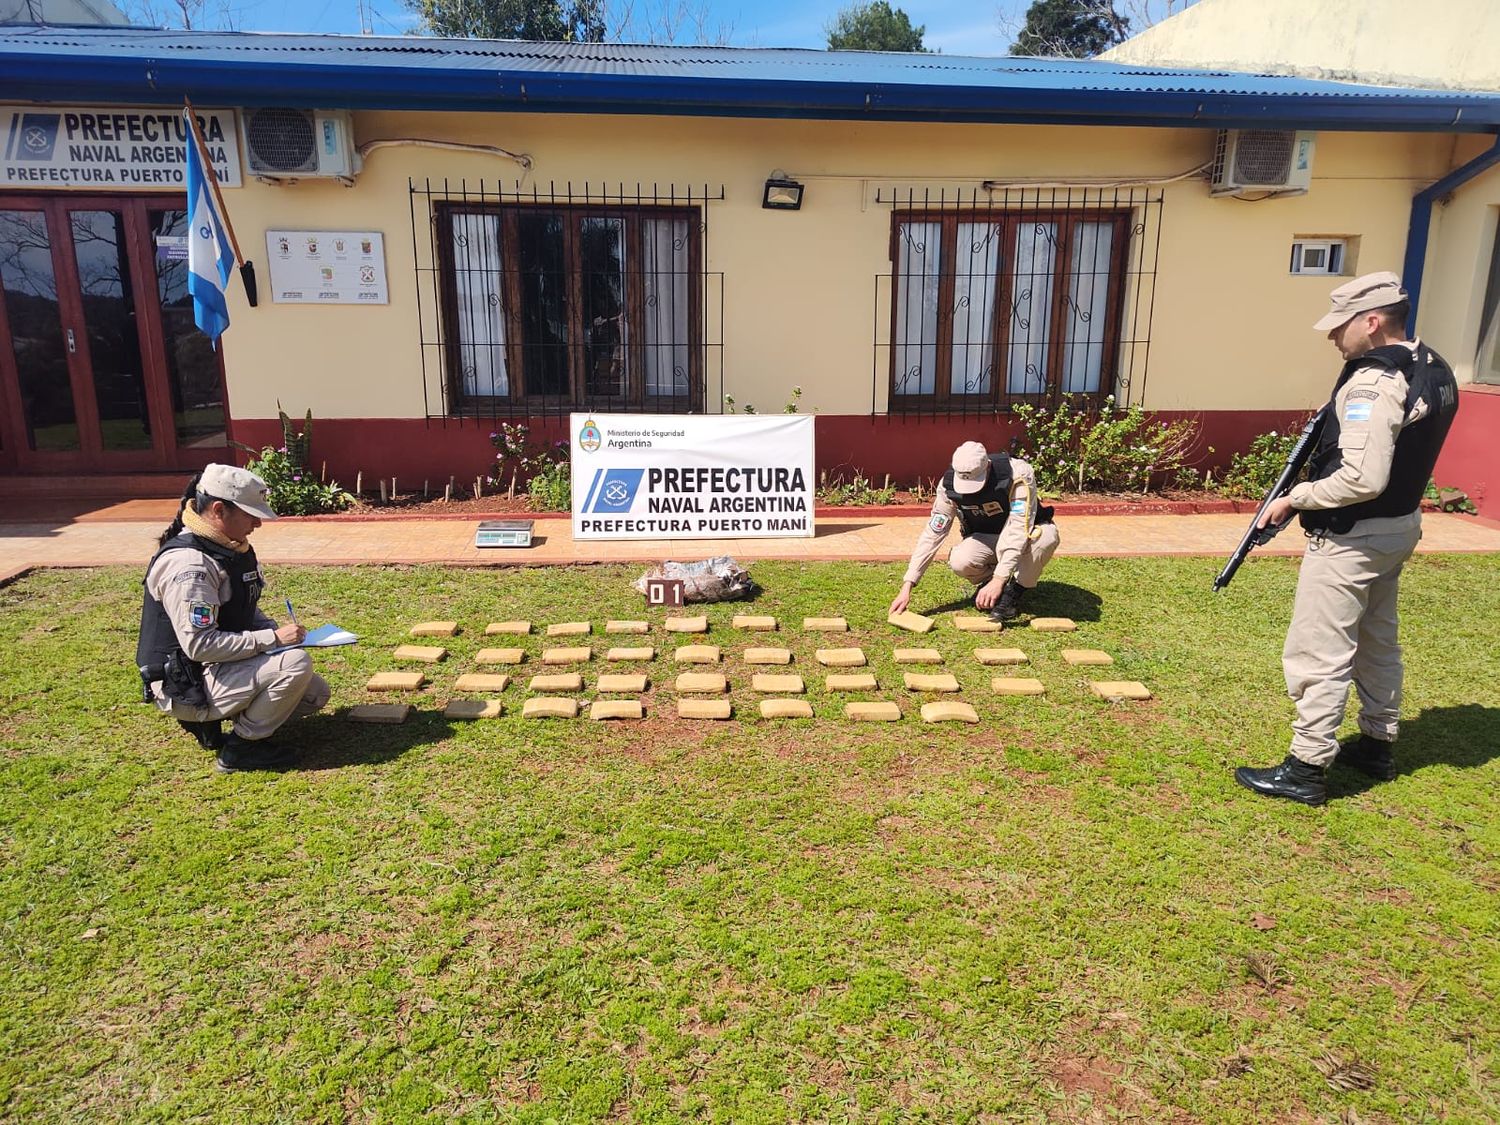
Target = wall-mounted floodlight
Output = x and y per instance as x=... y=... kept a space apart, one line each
x=782 y=193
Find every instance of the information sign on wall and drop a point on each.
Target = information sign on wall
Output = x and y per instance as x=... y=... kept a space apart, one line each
x=111 y=148
x=327 y=267
x=675 y=476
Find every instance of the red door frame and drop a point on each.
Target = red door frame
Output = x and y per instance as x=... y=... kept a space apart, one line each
x=91 y=457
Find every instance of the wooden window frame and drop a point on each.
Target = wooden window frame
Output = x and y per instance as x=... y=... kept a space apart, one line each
x=520 y=398
x=999 y=397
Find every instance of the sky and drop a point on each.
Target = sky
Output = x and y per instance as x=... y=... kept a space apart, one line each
x=956 y=27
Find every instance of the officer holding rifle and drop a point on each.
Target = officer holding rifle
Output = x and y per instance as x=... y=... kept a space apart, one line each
x=1371 y=459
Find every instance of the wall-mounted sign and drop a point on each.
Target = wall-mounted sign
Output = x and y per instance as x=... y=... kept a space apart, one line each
x=681 y=476
x=327 y=267
x=111 y=148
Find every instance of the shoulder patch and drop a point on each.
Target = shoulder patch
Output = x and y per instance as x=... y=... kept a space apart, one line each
x=939 y=521
x=1357 y=412
x=202 y=614
x=1363 y=392
x=1018 y=506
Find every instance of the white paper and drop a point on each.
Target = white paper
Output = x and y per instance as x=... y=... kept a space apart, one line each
x=324 y=636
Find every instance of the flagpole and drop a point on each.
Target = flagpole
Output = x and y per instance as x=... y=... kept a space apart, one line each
x=247 y=268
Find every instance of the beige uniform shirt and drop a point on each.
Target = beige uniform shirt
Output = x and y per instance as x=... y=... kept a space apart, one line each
x=1371 y=410
x=1020 y=526
x=185 y=578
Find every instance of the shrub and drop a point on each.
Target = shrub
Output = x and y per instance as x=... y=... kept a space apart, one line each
x=1253 y=472
x=293 y=487
x=1074 y=446
x=295 y=490
x=517 y=456
x=855 y=493
x=551 y=488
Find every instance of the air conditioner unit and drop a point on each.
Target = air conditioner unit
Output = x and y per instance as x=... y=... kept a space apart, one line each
x=294 y=144
x=1255 y=160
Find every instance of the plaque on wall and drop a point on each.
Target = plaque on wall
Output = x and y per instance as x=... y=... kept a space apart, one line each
x=327 y=267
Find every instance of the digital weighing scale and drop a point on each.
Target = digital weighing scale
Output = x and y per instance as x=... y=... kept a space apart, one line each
x=503 y=533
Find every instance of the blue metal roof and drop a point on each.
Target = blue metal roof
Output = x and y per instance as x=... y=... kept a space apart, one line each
x=127 y=65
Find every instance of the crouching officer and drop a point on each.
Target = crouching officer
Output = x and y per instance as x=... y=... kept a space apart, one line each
x=1391 y=409
x=204 y=650
x=1008 y=537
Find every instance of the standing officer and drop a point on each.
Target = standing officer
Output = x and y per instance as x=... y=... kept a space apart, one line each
x=1007 y=536
x=1360 y=506
x=204 y=647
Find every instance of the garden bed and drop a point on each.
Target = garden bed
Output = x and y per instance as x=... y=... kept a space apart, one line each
x=903 y=503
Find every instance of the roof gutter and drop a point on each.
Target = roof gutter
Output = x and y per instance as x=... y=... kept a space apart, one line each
x=1421 y=221
x=166 y=77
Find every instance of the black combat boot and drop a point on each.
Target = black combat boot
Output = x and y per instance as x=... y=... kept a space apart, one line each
x=210 y=736
x=1008 y=604
x=1294 y=779
x=237 y=754
x=1370 y=756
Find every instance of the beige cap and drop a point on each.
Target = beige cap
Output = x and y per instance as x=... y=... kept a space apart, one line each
x=971 y=467
x=240 y=487
x=1372 y=291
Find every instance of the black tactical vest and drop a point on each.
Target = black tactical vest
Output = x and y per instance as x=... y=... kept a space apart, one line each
x=984 y=512
x=1430 y=381
x=237 y=615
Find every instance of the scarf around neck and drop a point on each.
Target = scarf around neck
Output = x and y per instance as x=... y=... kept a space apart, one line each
x=201 y=528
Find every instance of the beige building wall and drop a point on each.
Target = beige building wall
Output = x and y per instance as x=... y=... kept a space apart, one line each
x=1439 y=43
x=1460 y=247
x=1230 y=329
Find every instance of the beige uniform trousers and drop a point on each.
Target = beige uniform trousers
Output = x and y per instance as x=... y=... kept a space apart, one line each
x=973 y=557
x=1344 y=630
x=260 y=693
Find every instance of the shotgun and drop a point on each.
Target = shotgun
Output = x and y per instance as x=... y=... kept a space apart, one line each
x=1258 y=536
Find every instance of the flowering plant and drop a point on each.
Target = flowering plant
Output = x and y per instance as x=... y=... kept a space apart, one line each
x=295 y=490
x=1253 y=472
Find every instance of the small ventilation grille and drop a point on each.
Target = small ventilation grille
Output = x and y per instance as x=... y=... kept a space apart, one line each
x=282 y=140
x=1263 y=156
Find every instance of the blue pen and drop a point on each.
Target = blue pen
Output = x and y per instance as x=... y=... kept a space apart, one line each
x=291 y=612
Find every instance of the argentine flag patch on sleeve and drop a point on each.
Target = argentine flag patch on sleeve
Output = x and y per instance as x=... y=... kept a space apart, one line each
x=1357 y=411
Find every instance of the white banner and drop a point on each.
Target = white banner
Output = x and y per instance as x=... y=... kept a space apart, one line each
x=680 y=476
x=327 y=267
x=115 y=148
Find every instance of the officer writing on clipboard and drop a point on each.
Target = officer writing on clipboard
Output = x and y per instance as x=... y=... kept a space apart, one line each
x=205 y=646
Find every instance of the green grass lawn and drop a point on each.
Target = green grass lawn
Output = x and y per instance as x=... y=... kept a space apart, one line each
x=1067 y=913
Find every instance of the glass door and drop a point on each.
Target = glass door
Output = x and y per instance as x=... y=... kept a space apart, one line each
x=101 y=368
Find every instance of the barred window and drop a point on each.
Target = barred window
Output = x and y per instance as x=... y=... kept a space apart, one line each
x=555 y=307
x=991 y=308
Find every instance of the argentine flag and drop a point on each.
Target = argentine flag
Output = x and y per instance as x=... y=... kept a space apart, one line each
x=209 y=257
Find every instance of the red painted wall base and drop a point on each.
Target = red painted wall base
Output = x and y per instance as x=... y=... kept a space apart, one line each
x=1471 y=455
x=414 y=450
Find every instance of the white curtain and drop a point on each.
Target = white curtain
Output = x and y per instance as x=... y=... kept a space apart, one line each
x=976 y=270
x=481 y=311
x=664 y=267
x=917 y=269
x=1030 y=307
x=1088 y=307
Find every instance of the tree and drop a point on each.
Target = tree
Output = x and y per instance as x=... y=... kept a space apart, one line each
x=557 y=21
x=1081 y=29
x=191 y=15
x=1075 y=29
x=875 y=26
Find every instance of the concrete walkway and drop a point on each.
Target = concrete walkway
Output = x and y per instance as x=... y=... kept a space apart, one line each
x=126 y=533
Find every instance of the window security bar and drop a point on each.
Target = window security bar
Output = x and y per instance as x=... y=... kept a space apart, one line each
x=1020 y=294
x=541 y=302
